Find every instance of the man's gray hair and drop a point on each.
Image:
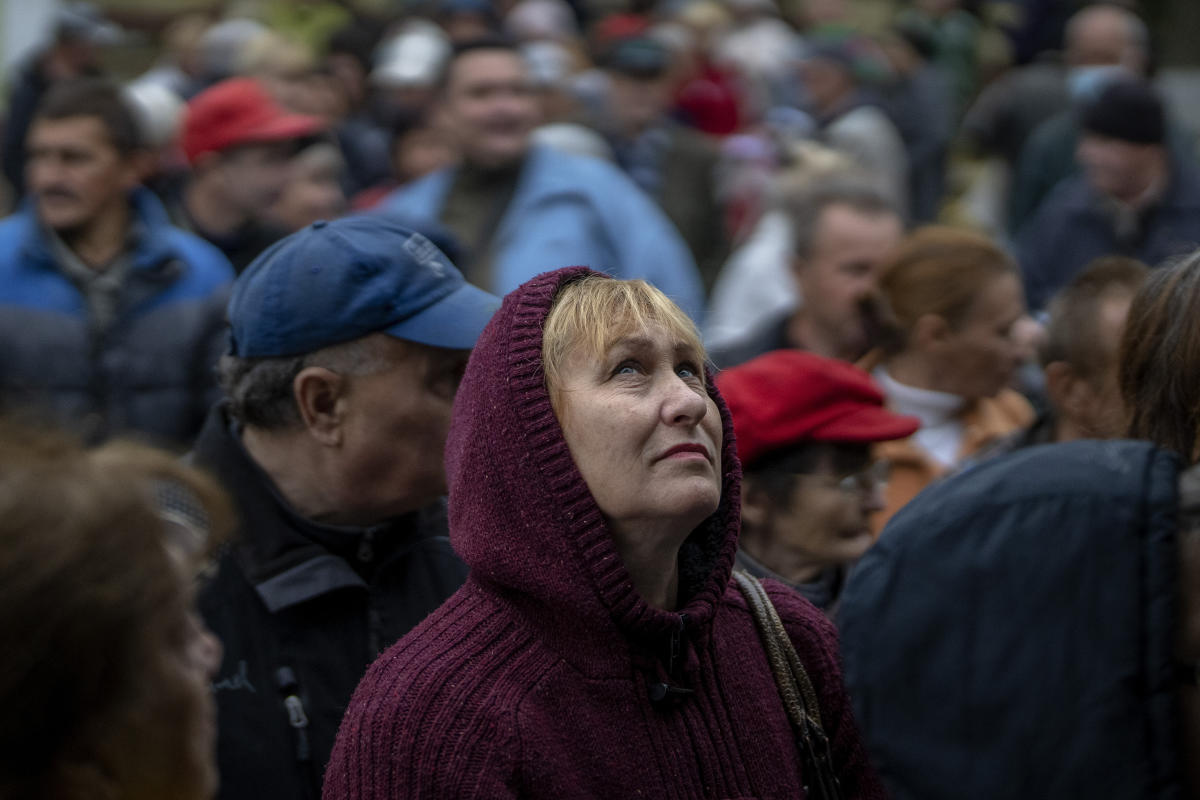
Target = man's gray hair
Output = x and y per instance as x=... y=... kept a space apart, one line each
x=804 y=201
x=259 y=391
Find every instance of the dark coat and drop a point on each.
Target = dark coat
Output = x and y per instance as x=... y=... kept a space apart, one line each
x=1071 y=229
x=1010 y=635
x=688 y=197
x=318 y=601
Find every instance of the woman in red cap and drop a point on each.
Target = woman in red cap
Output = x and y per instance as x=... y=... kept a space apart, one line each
x=805 y=428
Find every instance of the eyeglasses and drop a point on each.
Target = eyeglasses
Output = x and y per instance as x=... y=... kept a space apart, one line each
x=859 y=483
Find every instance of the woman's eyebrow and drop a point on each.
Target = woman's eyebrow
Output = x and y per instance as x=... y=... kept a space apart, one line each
x=631 y=342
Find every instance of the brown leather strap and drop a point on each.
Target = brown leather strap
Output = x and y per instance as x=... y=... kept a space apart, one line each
x=796 y=690
x=799 y=697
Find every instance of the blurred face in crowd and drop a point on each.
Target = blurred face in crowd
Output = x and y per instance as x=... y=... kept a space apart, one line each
x=1091 y=401
x=391 y=429
x=638 y=102
x=979 y=356
x=176 y=710
x=252 y=177
x=841 y=273
x=1119 y=169
x=314 y=190
x=490 y=107
x=823 y=520
x=826 y=82
x=643 y=430
x=421 y=151
x=74 y=172
x=1101 y=36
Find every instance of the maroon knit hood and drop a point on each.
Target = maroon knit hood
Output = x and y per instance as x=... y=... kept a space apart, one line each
x=521 y=515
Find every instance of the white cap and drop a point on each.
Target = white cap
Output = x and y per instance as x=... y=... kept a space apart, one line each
x=413 y=57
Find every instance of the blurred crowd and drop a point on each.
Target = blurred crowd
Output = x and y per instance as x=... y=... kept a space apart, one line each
x=904 y=245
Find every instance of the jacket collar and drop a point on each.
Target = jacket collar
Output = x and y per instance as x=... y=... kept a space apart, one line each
x=286 y=557
x=153 y=251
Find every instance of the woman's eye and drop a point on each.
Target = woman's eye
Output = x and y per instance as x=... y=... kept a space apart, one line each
x=687 y=371
x=626 y=368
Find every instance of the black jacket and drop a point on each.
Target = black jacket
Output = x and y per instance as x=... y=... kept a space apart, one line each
x=302 y=609
x=1010 y=635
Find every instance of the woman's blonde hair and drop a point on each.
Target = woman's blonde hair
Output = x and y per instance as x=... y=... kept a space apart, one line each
x=596 y=311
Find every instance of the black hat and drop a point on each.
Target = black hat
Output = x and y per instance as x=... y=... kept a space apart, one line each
x=1128 y=110
x=638 y=57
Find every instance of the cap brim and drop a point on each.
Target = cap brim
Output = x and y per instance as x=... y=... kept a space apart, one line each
x=868 y=424
x=454 y=322
x=284 y=127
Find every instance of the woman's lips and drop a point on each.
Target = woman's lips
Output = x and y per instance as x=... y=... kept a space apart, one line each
x=694 y=451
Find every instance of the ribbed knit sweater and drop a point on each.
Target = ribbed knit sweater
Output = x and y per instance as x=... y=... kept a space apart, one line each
x=545 y=675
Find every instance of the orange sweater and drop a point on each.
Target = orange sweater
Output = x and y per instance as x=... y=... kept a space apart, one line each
x=984 y=421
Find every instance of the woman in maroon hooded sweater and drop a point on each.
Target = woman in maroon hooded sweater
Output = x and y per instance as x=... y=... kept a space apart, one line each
x=599 y=648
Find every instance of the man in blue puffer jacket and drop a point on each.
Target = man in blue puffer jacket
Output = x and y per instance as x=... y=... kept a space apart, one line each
x=1013 y=634
x=111 y=320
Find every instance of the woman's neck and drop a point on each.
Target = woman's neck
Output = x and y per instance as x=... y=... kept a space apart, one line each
x=651 y=555
x=775 y=555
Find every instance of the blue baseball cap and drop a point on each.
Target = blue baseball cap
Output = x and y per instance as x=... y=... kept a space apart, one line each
x=333 y=282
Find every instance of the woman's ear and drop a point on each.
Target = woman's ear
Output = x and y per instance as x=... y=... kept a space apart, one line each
x=756 y=506
x=320 y=396
x=931 y=330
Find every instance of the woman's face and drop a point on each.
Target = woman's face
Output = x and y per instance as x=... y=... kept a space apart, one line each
x=643 y=431
x=979 y=357
x=174 y=718
x=827 y=518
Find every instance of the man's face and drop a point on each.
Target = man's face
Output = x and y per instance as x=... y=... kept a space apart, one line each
x=1116 y=168
x=74 y=172
x=490 y=106
x=395 y=426
x=637 y=102
x=252 y=177
x=826 y=82
x=843 y=271
x=1102 y=412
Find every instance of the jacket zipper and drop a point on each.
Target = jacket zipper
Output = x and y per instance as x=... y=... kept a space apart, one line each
x=663 y=690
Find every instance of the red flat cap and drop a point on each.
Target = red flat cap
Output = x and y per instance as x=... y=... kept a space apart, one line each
x=240 y=111
x=790 y=397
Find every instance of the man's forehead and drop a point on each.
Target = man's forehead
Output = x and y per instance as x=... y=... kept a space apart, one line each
x=488 y=66
x=844 y=227
x=84 y=129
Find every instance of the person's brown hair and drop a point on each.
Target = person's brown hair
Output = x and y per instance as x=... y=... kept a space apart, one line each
x=935 y=270
x=94 y=97
x=92 y=544
x=1073 y=334
x=1160 y=358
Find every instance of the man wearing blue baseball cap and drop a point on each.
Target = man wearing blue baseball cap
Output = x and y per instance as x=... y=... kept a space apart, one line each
x=347 y=344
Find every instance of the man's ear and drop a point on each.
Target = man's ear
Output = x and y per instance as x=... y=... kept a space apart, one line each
x=1068 y=393
x=320 y=396
x=139 y=165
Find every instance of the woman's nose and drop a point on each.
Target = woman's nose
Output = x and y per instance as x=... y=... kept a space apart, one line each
x=207 y=650
x=683 y=404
